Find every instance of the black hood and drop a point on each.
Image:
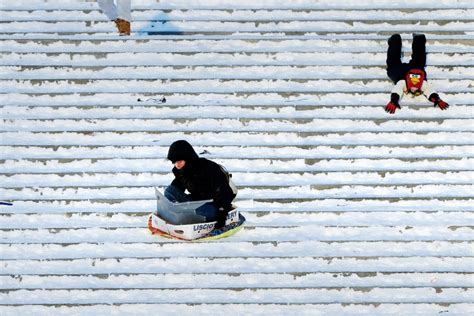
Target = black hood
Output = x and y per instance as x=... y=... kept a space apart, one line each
x=181 y=150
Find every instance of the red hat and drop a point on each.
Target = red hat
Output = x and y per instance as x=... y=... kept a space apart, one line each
x=414 y=80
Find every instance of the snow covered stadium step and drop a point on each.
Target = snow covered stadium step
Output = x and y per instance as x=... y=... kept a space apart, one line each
x=311 y=153
x=218 y=59
x=237 y=12
x=305 y=125
x=245 y=280
x=236 y=103
x=239 y=249
x=257 y=192
x=104 y=165
x=349 y=210
x=224 y=27
x=255 y=234
x=219 y=86
x=268 y=44
x=69 y=5
x=451 y=214
x=270 y=212
x=242 y=113
x=233 y=265
x=43 y=73
x=257 y=179
x=247 y=309
x=226 y=296
x=274 y=139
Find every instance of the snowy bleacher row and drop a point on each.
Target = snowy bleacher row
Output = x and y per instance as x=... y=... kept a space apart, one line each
x=350 y=210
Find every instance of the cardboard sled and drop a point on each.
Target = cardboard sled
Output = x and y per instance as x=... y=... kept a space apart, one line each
x=190 y=231
x=187 y=231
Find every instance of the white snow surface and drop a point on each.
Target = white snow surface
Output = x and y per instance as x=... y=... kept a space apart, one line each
x=350 y=210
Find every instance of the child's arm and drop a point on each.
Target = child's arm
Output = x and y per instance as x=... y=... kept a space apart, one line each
x=431 y=95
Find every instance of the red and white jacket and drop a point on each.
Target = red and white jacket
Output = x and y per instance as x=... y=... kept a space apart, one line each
x=401 y=89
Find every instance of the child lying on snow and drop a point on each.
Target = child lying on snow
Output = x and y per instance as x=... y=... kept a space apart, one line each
x=413 y=73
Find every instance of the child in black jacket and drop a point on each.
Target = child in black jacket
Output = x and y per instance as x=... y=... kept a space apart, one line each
x=203 y=179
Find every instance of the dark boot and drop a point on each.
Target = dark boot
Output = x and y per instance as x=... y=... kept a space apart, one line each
x=395 y=40
x=418 y=54
x=394 y=58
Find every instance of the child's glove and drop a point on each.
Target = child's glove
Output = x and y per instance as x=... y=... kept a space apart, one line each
x=434 y=97
x=393 y=104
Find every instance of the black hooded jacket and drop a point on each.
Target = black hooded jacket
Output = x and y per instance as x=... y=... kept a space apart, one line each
x=203 y=178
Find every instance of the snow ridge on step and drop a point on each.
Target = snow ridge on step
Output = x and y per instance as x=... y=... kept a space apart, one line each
x=268 y=45
x=349 y=210
x=219 y=59
x=221 y=296
x=245 y=280
x=244 y=4
x=255 y=234
x=246 y=309
x=261 y=101
x=452 y=215
x=212 y=27
x=232 y=266
x=242 y=14
x=48 y=166
x=42 y=73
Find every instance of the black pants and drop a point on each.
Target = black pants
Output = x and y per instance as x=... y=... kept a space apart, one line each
x=396 y=70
